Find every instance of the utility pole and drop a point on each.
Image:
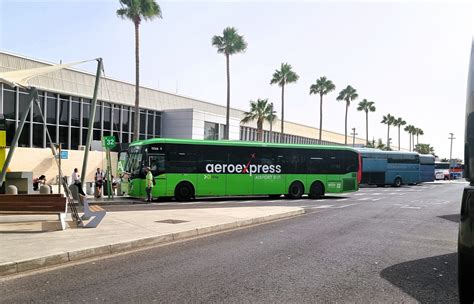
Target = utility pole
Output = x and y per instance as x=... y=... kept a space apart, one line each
x=451 y=137
x=353 y=136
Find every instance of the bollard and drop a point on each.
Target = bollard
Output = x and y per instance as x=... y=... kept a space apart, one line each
x=90 y=187
x=44 y=189
x=11 y=189
x=74 y=192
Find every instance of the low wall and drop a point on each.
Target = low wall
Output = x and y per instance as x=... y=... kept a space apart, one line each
x=41 y=161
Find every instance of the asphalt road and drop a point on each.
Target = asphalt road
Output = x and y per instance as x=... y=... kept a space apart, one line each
x=376 y=245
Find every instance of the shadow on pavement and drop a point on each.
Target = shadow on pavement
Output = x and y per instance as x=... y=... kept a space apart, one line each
x=428 y=280
x=451 y=217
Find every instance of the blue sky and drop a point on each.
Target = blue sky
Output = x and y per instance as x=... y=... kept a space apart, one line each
x=411 y=58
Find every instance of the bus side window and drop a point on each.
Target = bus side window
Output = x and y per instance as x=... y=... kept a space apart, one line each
x=157 y=164
x=181 y=159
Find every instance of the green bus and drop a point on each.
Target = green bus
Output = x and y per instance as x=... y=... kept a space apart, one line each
x=185 y=169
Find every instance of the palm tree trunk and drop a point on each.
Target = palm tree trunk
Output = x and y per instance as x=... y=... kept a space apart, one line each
x=345 y=125
x=137 y=82
x=366 y=128
x=320 y=117
x=388 y=136
x=398 y=138
x=259 y=130
x=409 y=145
x=271 y=131
x=282 y=112
x=228 y=98
x=417 y=139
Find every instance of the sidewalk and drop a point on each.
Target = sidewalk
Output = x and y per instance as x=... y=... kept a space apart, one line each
x=28 y=242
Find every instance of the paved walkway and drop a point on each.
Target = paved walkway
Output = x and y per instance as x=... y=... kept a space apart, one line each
x=30 y=242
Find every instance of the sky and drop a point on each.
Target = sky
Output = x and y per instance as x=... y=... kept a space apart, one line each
x=410 y=57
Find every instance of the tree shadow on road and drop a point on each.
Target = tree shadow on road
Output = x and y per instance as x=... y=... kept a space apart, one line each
x=428 y=280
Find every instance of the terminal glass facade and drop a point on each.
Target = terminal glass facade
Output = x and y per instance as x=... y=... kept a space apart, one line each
x=67 y=119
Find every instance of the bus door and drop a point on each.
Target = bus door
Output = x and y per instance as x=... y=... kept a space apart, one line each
x=240 y=182
x=157 y=164
x=269 y=180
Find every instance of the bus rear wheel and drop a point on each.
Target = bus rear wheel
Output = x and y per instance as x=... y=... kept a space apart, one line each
x=397 y=182
x=184 y=192
x=296 y=190
x=316 y=191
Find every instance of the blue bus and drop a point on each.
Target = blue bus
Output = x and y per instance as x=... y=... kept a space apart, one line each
x=389 y=167
x=427 y=168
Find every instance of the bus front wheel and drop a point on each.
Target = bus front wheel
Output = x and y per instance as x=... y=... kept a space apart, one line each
x=316 y=191
x=184 y=192
x=296 y=190
x=398 y=182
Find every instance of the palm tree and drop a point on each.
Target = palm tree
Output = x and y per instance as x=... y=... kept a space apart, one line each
x=418 y=131
x=271 y=118
x=348 y=94
x=388 y=120
x=282 y=77
x=399 y=122
x=229 y=43
x=260 y=110
x=136 y=11
x=366 y=106
x=321 y=87
x=410 y=129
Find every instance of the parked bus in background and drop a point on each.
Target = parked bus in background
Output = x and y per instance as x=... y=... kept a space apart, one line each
x=457 y=170
x=185 y=169
x=442 y=170
x=389 y=167
x=427 y=168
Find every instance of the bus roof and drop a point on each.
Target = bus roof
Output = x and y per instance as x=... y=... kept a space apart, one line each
x=368 y=151
x=234 y=143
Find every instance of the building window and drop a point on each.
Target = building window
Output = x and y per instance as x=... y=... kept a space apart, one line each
x=9 y=104
x=75 y=114
x=157 y=125
x=211 y=130
x=98 y=115
x=86 y=111
x=36 y=110
x=116 y=123
x=142 y=122
x=63 y=137
x=38 y=135
x=51 y=108
x=150 y=124
x=52 y=133
x=125 y=120
x=23 y=105
x=75 y=138
x=107 y=116
x=64 y=112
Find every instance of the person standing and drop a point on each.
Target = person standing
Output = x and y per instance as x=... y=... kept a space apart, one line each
x=99 y=180
x=149 y=184
x=76 y=180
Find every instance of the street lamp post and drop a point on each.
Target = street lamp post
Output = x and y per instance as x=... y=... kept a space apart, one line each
x=353 y=136
x=451 y=137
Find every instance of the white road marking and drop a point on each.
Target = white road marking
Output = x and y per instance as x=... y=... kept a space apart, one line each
x=376 y=199
x=377 y=193
x=344 y=206
x=323 y=206
x=364 y=199
x=359 y=193
x=342 y=200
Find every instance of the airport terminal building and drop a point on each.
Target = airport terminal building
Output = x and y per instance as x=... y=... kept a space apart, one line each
x=65 y=99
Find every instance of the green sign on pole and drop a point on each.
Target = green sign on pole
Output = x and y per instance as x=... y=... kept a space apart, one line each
x=108 y=142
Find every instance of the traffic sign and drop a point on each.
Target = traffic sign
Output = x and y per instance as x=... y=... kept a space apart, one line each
x=64 y=154
x=108 y=142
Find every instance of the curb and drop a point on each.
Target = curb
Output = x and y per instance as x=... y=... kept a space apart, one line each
x=16 y=267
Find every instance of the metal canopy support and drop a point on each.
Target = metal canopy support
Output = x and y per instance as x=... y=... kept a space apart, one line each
x=33 y=94
x=91 y=121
